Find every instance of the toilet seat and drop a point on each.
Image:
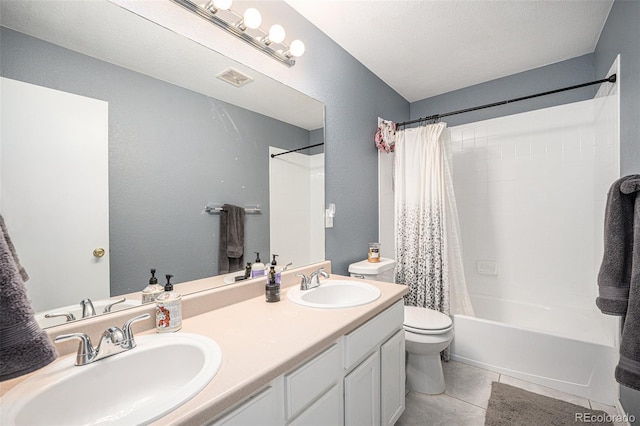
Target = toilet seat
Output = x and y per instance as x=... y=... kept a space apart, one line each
x=426 y=321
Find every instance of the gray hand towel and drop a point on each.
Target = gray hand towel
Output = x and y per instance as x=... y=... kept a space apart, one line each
x=628 y=369
x=25 y=346
x=231 y=252
x=614 y=277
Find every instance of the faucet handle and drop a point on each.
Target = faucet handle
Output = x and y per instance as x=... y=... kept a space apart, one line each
x=85 y=348
x=304 y=281
x=128 y=333
x=68 y=315
x=107 y=308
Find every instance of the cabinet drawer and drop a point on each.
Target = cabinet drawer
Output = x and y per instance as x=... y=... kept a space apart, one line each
x=308 y=382
x=359 y=343
x=326 y=411
x=261 y=409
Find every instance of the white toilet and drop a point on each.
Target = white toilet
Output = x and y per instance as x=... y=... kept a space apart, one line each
x=427 y=332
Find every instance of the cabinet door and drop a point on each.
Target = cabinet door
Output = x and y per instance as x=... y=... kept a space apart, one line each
x=392 y=378
x=362 y=393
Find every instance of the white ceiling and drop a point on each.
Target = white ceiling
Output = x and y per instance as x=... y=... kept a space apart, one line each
x=423 y=48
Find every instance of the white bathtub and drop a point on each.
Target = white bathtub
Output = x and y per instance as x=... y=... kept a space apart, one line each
x=568 y=349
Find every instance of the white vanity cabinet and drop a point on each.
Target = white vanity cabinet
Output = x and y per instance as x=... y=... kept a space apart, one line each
x=313 y=392
x=392 y=379
x=358 y=380
x=362 y=393
x=374 y=361
x=310 y=395
x=264 y=408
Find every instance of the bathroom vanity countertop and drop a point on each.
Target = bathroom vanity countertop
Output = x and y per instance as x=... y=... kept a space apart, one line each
x=261 y=341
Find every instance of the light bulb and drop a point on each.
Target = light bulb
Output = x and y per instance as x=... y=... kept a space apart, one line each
x=222 y=4
x=252 y=18
x=296 y=48
x=276 y=34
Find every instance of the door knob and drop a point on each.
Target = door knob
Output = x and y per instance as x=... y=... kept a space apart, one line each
x=99 y=252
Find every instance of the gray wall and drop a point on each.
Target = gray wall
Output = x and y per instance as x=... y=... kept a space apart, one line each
x=621 y=35
x=354 y=98
x=562 y=74
x=171 y=151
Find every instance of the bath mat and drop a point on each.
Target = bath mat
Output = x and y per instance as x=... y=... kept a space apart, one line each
x=511 y=406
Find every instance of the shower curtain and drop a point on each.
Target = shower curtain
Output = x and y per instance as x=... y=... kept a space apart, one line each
x=428 y=246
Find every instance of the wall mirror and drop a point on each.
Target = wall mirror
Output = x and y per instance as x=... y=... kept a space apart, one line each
x=166 y=138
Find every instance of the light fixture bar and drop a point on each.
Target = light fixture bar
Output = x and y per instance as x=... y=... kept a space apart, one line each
x=231 y=28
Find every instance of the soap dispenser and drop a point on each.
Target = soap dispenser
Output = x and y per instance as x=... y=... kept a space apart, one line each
x=272 y=289
x=168 y=309
x=152 y=290
x=273 y=262
x=257 y=269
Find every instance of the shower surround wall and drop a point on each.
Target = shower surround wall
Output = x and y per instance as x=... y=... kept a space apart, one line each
x=531 y=192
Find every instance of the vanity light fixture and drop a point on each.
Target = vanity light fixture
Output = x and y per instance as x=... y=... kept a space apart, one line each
x=247 y=27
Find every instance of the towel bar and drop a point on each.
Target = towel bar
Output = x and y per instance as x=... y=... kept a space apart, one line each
x=217 y=208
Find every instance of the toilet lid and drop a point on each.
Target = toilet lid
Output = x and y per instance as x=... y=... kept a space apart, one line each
x=425 y=319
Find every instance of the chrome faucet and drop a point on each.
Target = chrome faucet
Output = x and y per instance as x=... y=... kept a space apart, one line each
x=113 y=341
x=313 y=280
x=87 y=308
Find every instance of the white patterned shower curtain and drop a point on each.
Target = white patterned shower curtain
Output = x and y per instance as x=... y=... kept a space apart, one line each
x=428 y=246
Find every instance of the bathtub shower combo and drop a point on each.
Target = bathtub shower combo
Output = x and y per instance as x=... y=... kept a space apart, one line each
x=531 y=191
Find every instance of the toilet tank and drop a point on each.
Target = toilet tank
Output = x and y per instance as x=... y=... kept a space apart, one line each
x=378 y=271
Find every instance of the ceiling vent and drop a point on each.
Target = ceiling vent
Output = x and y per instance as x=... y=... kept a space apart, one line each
x=234 y=77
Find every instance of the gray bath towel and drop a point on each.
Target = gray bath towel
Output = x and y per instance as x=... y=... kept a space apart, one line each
x=25 y=347
x=231 y=252
x=628 y=369
x=614 y=278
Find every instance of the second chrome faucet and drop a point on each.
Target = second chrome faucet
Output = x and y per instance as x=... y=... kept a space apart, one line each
x=313 y=280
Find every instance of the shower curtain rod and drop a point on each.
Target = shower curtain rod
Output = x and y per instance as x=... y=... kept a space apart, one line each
x=299 y=149
x=610 y=79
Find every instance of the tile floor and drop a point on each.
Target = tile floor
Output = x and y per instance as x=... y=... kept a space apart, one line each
x=467 y=396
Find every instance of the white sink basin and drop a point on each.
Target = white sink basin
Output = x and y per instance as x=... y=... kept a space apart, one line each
x=130 y=388
x=332 y=294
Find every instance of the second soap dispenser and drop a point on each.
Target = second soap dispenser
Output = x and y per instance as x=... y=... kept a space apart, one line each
x=257 y=269
x=168 y=309
x=151 y=292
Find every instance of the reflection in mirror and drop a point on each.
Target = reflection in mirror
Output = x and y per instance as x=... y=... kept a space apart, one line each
x=125 y=136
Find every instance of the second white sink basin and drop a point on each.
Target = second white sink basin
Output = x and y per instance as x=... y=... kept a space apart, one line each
x=130 y=388
x=332 y=294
